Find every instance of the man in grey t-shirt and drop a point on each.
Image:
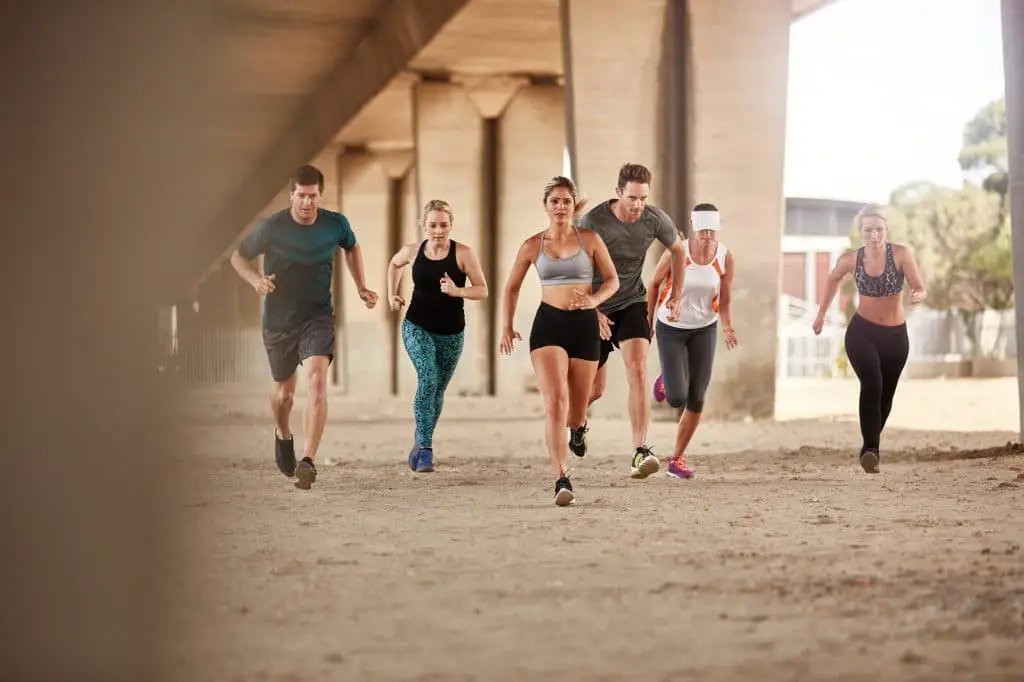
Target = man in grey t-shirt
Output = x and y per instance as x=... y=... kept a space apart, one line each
x=628 y=226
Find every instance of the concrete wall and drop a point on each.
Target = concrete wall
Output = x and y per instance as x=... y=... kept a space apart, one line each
x=615 y=87
x=532 y=144
x=740 y=72
x=449 y=134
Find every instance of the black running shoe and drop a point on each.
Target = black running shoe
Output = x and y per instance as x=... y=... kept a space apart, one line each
x=284 y=454
x=305 y=474
x=563 y=492
x=869 y=460
x=644 y=463
x=578 y=440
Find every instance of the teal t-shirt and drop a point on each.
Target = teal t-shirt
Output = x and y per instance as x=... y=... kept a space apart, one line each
x=301 y=258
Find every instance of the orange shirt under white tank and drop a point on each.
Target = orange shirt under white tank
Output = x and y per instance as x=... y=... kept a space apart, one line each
x=702 y=286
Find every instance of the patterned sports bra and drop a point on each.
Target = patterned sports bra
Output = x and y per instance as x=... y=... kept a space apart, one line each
x=889 y=283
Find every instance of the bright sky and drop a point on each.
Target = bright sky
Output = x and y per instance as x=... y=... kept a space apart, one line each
x=880 y=90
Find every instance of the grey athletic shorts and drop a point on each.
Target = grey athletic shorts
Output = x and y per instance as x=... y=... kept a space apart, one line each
x=286 y=350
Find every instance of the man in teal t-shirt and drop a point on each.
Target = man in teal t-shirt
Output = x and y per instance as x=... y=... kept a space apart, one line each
x=298 y=245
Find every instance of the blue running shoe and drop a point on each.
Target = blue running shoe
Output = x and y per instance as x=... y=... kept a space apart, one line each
x=424 y=460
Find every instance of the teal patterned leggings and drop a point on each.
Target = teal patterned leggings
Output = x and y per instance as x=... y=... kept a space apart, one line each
x=435 y=357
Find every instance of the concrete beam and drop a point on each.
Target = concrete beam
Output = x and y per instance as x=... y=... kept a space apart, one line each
x=405 y=28
x=491 y=94
x=1013 y=69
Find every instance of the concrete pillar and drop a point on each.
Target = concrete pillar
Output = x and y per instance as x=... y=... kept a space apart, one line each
x=396 y=164
x=87 y=546
x=531 y=150
x=412 y=232
x=615 y=103
x=740 y=68
x=491 y=94
x=1013 y=67
x=365 y=333
x=632 y=110
x=613 y=69
x=449 y=135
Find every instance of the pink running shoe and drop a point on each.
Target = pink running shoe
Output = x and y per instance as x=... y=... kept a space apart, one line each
x=677 y=468
x=659 y=389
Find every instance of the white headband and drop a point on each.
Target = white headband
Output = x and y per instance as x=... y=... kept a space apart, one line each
x=705 y=220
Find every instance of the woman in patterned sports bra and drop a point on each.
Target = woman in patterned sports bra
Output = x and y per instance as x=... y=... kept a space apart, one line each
x=565 y=341
x=876 y=337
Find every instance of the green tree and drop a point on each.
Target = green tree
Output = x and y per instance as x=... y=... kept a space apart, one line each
x=984 y=155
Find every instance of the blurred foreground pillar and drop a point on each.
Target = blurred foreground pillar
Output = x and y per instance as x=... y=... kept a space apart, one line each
x=102 y=187
x=1013 y=65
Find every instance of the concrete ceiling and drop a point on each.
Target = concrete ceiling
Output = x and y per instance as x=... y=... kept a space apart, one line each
x=487 y=37
x=289 y=76
x=295 y=76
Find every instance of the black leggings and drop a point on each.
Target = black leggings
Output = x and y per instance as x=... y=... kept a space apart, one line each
x=687 y=356
x=877 y=354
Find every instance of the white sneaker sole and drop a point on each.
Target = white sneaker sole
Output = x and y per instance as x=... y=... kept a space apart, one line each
x=647 y=467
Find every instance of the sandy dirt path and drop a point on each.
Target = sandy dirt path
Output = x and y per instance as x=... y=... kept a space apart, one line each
x=781 y=560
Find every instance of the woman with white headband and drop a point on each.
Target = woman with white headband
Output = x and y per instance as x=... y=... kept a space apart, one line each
x=686 y=347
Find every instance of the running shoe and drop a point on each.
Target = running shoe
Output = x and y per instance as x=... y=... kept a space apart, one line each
x=305 y=474
x=578 y=440
x=563 y=492
x=677 y=468
x=659 y=389
x=284 y=454
x=424 y=460
x=644 y=463
x=869 y=460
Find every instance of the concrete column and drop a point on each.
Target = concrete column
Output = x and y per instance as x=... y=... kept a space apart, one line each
x=613 y=78
x=89 y=554
x=396 y=164
x=740 y=68
x=364 y=201
x=411 y=233
x=491 y=95
x=531 y=150
x=615 y=112
x=448 y=132
x=1013 y=66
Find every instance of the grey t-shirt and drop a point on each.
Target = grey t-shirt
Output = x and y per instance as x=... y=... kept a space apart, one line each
x=628 y=244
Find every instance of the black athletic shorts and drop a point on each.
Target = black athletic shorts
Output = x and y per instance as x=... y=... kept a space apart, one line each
x=574 y=330
x=629 y=323
x=286 y=350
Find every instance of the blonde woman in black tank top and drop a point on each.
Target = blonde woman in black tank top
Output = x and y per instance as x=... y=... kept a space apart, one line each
x=434 y=326
x=565 y=342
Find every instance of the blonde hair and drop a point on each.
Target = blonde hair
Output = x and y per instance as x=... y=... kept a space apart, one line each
x=562 y=181
x=872 y=211
x=437 y=205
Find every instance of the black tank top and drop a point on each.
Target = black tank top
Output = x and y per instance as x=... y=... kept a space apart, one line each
x=431 y=308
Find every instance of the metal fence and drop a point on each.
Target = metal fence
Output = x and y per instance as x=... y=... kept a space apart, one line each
x=935 y=336
x=218 y=356
x=233 y=355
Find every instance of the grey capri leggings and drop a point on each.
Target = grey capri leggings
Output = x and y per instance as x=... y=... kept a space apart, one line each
x=687 y=356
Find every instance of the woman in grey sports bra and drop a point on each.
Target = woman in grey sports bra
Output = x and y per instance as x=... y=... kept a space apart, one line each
x=565 y=343
x=876 y=339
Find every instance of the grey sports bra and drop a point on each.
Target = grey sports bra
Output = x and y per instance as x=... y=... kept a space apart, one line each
x=577 y=269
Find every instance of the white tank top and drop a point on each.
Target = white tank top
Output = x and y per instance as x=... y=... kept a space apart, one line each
x=702 y=286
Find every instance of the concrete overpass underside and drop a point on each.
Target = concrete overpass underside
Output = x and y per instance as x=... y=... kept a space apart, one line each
x=476 y=102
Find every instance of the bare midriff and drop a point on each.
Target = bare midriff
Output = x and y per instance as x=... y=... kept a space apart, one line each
x=886 y=311
x=561 y=295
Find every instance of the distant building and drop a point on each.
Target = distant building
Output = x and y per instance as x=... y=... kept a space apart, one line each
x=816 y=233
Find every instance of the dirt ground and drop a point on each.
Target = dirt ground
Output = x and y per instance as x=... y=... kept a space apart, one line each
x=781 y=560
